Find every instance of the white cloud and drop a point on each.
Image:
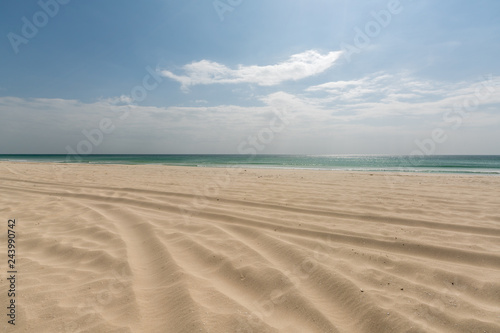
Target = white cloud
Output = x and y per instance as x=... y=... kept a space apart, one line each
x=381 y=95
x=120 y=100
x=373 y=110
x=336 y=85
x=50 y=125
x=299 y=66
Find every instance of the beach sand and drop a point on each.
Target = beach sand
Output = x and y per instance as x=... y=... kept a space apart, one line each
x=121 y=248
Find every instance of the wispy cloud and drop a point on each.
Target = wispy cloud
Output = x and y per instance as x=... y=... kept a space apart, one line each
x=382 y=94
x=299 y=66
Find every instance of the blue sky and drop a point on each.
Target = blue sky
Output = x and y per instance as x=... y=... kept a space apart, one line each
x=241 y=76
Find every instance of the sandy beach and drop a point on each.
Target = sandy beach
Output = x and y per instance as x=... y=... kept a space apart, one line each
x=150 y=248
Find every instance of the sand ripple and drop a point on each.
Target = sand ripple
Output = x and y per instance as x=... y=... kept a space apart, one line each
x=166 y=249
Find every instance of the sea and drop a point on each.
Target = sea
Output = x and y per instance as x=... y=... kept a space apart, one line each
x=462 y=164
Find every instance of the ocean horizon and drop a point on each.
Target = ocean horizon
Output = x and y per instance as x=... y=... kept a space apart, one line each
x=462 y=164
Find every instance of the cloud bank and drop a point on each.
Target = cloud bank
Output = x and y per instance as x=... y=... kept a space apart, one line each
x=378 y=113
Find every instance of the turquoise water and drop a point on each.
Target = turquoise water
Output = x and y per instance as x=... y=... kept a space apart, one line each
x=475 y=164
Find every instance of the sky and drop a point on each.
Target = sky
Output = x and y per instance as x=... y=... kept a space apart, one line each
x=246 y=77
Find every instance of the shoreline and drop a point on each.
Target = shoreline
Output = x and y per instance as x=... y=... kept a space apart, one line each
x=420 y=172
